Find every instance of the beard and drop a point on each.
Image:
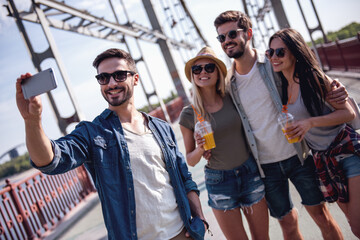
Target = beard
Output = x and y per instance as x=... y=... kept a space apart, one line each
x=238 y=52
x=117 y=101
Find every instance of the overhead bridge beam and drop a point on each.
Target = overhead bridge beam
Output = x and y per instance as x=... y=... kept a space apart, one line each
x=86 y=24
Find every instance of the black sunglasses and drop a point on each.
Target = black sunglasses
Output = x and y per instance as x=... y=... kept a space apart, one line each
x=209 y=68
x=280 y=52
x=231 y=34
x=119 y=76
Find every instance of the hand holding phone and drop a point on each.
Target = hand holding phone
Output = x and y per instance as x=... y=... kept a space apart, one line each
x=39 y=83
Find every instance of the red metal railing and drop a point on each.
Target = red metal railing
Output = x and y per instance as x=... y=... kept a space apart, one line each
x=34 y=206
x=173 y=108
x=341 y=55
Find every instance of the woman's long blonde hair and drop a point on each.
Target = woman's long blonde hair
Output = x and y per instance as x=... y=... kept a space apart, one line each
x=197 y=100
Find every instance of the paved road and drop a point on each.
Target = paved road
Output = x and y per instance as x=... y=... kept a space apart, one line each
x=91 y=226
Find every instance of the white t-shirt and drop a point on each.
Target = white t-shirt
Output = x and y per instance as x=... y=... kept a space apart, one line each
x=157 y=213
x=262 y=115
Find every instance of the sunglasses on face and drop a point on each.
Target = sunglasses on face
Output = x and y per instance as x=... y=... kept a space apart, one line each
x=119 y=76
x=231 y=34
x=209 y=68
x=280 y=52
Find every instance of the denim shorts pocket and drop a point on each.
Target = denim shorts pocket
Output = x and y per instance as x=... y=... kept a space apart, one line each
x=213 y=177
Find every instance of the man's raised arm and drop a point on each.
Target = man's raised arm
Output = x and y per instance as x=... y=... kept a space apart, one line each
x=38 y=144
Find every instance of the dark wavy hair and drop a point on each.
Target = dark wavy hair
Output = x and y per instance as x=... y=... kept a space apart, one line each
x=115 y=53
x=243 y=21
x=307 y=70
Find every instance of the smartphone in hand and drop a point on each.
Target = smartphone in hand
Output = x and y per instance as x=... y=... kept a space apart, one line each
x=39 y=83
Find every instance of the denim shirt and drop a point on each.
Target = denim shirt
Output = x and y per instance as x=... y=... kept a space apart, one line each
x=273 y=84
x=102 y=147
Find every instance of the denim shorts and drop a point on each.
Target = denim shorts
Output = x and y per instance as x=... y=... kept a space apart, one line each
x=351 y=166
x=277 y=185
x=239 y=187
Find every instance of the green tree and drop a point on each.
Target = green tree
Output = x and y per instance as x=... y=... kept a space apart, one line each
x=350 y=30
x=15 y=165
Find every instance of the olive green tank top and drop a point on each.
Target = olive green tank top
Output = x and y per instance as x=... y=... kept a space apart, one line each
x=231 y=147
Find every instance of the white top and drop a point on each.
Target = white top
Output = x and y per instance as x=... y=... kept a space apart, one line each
x=262 y=115
x=157 y=213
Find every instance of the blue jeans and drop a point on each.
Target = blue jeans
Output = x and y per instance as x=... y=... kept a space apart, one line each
x=239 y=187
x=351 y=166
x=276 y=182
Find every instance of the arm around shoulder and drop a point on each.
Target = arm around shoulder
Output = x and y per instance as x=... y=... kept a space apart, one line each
x=342 y=111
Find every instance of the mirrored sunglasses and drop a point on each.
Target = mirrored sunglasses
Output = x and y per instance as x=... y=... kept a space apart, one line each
x=231 y=34
x=119 y=76
x=280 y=52
x=209 y=68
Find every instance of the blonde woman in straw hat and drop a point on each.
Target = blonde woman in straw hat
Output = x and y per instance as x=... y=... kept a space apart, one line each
x=232 y=178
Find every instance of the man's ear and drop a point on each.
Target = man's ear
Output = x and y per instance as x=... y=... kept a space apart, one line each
x=249 y=33
x=136 y=79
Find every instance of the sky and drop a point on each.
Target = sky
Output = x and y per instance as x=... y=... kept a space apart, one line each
x=77 y=53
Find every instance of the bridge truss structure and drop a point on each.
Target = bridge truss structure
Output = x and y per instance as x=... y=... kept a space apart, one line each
x=267 y=16
x=186 y=39
x=178 y=33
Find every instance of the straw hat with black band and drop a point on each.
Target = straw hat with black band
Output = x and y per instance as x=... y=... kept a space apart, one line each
x=208 y=53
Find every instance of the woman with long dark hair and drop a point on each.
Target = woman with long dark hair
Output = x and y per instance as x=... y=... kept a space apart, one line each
x=335 y=145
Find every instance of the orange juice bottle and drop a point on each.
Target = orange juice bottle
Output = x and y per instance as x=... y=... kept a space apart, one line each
x=204 y=129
